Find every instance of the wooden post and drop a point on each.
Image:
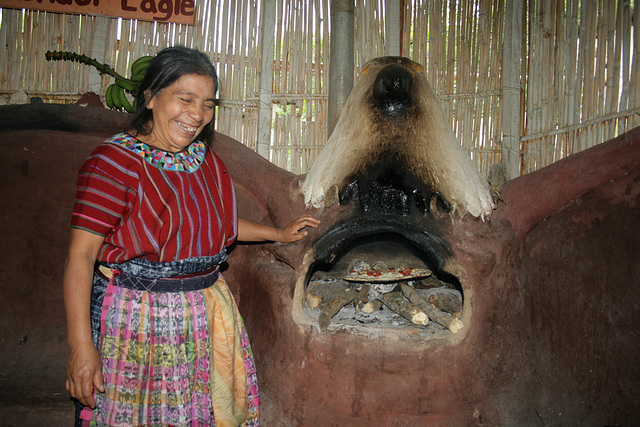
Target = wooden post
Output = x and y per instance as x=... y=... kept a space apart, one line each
x=392 y=28
x=511 y=89
x=341 y=59
x=98 y=49
x=267 y=31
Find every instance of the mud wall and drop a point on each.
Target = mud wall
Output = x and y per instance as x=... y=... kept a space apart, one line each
x=552 y=283
x=38 y=169
x=553 y=313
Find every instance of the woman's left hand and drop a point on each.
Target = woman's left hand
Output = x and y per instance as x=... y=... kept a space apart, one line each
x=294 y=231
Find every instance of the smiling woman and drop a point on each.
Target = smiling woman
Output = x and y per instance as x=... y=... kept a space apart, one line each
x=180 y=112
x=155 y=336
x=178 y=99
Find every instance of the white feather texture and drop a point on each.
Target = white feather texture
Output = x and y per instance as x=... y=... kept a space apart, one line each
x=424 y=141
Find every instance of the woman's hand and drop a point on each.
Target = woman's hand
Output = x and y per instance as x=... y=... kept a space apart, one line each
x=84 y=371
x=84 y=374
x=249 y=231
x=294 y=232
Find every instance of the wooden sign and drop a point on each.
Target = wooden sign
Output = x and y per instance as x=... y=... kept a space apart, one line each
x=178 y=11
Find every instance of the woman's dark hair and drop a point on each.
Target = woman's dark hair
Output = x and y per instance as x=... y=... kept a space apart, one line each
x=164 y=69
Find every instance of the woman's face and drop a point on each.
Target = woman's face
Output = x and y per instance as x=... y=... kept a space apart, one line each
x=180 y=111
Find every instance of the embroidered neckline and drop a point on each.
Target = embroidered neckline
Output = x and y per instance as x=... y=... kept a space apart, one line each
x=187 y=160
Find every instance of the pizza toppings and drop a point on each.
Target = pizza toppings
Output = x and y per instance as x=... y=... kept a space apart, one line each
x=391 y=274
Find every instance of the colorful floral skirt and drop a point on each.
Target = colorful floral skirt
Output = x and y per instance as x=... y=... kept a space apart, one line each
x=173 y=358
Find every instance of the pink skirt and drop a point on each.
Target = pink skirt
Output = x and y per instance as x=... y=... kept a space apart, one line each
x=174 y=359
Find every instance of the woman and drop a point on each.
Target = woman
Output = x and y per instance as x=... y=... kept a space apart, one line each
x=154 y=334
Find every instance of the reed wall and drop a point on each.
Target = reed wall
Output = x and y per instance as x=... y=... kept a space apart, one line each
x=579 y=81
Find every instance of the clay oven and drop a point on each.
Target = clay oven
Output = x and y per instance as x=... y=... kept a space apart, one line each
x=383 y=274
x=395 y=165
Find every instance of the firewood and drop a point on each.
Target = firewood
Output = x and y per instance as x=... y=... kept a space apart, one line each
x=431 y=282
x=363 y=297
x=396 y=302
x=446 y=301
x=332 y=307
x=435 y=314
x=323 y=291
x=372 y=306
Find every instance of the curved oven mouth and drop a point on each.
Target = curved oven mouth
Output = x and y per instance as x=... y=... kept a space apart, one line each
x=383 y=272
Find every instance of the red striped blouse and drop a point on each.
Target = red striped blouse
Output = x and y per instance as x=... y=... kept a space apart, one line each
x=154 y=204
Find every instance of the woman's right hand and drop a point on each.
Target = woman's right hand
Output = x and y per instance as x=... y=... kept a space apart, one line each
x=84 y=369
x=84 y=374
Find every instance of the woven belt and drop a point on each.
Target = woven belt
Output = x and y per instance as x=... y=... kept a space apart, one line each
x=169 y=284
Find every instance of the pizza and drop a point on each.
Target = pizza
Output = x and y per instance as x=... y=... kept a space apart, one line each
x=387 y=274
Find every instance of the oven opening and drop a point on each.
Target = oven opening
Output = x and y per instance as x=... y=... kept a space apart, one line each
x=383 y=281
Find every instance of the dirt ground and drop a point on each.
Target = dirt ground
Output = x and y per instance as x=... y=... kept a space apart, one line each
x=28 y=400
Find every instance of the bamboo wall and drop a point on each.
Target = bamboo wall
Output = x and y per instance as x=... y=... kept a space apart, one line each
x=27 y=35
x=300 y=83
x=460 y=45
x=582 y=77
x=579 y=84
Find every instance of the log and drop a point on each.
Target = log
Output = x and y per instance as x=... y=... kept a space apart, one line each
x=363 y=297
x=435 y=314
x=332 y=307
x=446 y=301
x=372 y=306
x=396 y=302
x=432 y=282
x=323 y=291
